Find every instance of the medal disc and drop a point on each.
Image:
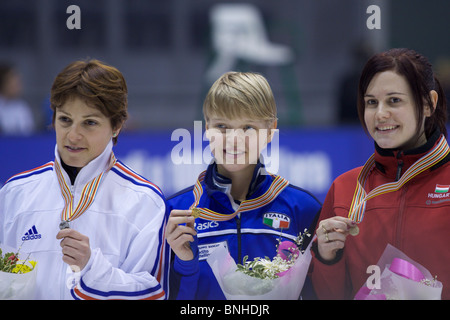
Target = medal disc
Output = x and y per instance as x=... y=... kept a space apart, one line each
x=195 y=213
x=354 y=231
x=64 y=225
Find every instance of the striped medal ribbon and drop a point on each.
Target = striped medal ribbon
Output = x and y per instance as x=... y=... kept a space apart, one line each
x=87 y=195
x=278 y=185
x=360 y=197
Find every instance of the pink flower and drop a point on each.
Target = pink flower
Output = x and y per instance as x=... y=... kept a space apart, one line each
x=13 y=258
x=288 y=250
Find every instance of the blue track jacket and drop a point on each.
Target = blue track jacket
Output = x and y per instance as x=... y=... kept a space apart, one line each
x=253 y=233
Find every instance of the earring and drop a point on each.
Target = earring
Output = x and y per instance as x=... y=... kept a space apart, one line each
x=114 y=134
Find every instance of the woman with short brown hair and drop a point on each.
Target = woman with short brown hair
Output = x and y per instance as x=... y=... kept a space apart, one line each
x=94 y=226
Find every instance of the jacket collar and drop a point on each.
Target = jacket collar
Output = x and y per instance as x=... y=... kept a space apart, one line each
x=215 y=182
x=89 y=171
x=394 y=162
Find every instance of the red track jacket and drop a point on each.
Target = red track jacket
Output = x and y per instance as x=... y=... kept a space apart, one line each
x=415 y=219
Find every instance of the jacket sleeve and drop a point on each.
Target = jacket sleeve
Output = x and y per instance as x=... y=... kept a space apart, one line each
x=184 y=276
x=142 y=275
x=328 y=279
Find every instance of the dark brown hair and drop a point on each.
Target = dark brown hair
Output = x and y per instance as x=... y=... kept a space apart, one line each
x=99 y=85
x=419 y=75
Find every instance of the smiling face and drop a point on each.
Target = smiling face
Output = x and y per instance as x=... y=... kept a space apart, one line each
x=82 y=132
x=390 y=114
x=237 y=143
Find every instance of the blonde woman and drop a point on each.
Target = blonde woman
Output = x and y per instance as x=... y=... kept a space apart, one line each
x=240 y=115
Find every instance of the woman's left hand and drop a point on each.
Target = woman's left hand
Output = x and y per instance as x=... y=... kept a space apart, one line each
x=75 y=248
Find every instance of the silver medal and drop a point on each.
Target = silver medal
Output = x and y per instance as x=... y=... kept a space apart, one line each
x=64 y=225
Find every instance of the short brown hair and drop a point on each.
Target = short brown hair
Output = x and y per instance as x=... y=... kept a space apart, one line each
x=99 y=85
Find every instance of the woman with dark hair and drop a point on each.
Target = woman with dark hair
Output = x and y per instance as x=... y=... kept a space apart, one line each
x=95 y=227
x=401 y=105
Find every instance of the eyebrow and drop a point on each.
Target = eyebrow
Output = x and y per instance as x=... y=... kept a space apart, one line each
x=389 y=94
x=226 y=120
x=91 y=115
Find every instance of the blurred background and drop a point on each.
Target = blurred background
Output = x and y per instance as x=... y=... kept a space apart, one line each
x=170 y=52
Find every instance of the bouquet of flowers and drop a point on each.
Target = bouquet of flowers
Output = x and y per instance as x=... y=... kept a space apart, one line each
x=280 y=278
x=17 y=277
x=401 y=279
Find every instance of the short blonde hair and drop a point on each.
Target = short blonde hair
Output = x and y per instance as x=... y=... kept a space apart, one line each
x=240 y=95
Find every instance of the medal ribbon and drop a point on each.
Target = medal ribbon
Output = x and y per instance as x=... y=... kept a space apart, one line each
x=87 y=195
x=360 y=197
x=278 y=185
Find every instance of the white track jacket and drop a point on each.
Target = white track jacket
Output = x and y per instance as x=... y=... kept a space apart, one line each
x=125 y=225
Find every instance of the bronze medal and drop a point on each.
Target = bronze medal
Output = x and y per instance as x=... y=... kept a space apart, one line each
x=354 y=231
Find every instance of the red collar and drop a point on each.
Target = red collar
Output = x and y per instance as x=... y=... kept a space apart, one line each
x=393 y=163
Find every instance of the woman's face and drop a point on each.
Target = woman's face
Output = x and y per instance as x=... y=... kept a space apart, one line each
x=390 y=114
x=236 y=144
x=82 y=132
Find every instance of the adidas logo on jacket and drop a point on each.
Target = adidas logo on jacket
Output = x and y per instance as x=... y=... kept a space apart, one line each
x=31 y=234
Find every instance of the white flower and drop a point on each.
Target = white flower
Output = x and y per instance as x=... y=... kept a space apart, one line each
x=264 y=268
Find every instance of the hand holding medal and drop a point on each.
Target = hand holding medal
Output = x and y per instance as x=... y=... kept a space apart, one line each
x=332 y=234
x=180 y=232
x=75 y=247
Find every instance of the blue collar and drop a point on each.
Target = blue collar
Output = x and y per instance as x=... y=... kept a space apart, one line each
x=215 y=182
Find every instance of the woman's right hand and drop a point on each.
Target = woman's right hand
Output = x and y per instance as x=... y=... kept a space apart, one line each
x=331 y=235
x=180 y=232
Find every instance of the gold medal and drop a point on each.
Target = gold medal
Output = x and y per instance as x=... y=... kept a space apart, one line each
x=354 y=231
x=195 y=213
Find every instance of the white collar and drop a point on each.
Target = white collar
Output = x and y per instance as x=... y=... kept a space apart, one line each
x=91 y=170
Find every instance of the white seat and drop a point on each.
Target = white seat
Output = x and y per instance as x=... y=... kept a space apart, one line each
x=238 y=32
